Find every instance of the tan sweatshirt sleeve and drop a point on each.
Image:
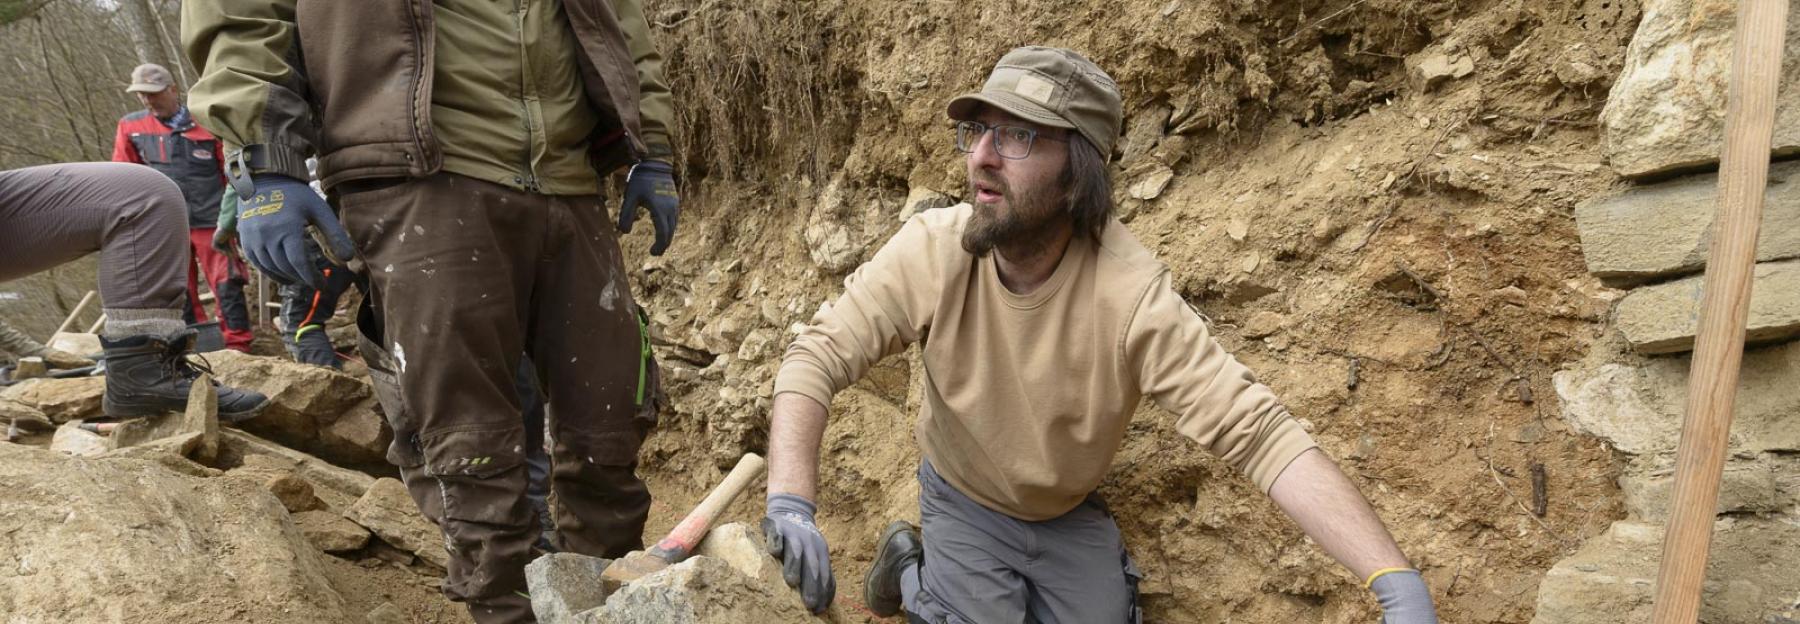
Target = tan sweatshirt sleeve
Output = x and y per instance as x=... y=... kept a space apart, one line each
x=1216 y=399
x=886 y=305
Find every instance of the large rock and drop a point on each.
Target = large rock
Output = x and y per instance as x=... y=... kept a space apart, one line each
x=71 y=439
x=388 y=511
x=564 y=584
x=338 y=487
x=1666 y=111
x=730 y=579
x=62 y=400
x=331 y=532
x=1665 y=229
x=701 y=590
x=1664 y=318
x=304 y=401
x=123 y=540
x=1750 y=575
x=1764 y=483
x=358 y=437
x=1638 y=406
x=25 y=417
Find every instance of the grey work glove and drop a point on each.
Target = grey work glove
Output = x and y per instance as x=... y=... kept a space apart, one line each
x=272 y=230
x=795 y=540
x=652 y=183
x=1404 y=598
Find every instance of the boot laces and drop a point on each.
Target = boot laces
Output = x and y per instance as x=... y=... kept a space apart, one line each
x=178 y=363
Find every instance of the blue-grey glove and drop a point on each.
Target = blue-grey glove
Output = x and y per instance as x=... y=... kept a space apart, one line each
x=652 y=182
x=795 y=540
x=272 y=230
x=1404 y=597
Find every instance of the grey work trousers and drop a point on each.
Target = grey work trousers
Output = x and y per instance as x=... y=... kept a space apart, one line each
x=985 y=567
x=134 y=216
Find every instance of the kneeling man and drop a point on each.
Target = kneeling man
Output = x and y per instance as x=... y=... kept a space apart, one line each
x=1044 y=323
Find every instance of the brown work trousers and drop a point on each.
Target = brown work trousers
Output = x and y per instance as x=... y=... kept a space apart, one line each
x=465 y=277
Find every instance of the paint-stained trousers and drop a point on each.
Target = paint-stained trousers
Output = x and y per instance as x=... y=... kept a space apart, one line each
x=465 y=276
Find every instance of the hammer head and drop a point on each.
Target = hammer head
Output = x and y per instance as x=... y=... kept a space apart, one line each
x=629 y=568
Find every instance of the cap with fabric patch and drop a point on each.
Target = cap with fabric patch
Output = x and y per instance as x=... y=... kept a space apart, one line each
x=1054 y=87
x=149 y=78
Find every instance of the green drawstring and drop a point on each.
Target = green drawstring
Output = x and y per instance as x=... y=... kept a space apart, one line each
x=644 y=357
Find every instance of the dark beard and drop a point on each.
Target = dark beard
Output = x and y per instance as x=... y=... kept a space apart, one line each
x=1024 y=231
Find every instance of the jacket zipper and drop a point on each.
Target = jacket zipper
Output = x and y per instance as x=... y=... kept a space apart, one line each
x=529 y=177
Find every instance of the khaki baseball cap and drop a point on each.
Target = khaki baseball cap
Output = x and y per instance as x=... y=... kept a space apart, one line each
x=149 y=78
x=1054 y=87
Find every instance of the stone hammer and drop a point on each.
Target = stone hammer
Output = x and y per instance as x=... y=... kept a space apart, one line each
x=682 y=540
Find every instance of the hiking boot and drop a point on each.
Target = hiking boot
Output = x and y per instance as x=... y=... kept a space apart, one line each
x=899 y=548
x=148 y=375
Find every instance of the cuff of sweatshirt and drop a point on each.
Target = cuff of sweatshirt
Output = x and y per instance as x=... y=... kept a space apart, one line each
x=1286 y=441
x=657 y=147
x=805 y=379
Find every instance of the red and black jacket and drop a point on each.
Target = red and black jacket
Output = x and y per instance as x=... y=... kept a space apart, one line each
x=191 y=158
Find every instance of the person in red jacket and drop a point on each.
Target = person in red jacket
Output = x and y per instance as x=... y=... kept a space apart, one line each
x=165 y=137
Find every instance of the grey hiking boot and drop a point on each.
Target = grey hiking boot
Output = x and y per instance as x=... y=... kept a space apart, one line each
x=899 y=548
x=313 y=346
x=148 y=375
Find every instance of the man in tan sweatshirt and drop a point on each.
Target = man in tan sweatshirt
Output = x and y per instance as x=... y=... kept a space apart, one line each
x=1044 y=322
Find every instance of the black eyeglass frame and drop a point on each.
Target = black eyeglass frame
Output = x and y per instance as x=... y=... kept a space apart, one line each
x=978 y=130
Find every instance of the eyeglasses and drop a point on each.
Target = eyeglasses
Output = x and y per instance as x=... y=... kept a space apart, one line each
x=1011 y=142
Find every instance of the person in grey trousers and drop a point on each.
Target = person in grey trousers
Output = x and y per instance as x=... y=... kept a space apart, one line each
x=137 y=220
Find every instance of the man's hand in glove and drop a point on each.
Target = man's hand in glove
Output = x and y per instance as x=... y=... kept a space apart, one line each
x=796 y=541
x=652 y=182
x=1403 y=596
x=272 y=225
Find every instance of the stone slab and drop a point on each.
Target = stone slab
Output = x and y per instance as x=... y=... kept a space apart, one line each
x=564 y=584
x=1666 y=111
x=62 y=400
x=1611 y=579
x=1664 y=230
x=1637 y=404
x=1765 y=483
x=389 y=512
x=73 y=440
x=1665 y=317
x=331 y=532
x=338 y=486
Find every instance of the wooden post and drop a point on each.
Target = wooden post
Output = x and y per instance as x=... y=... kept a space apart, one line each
x=1725 y=307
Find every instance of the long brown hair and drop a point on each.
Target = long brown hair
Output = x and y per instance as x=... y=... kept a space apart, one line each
x=1087 y=187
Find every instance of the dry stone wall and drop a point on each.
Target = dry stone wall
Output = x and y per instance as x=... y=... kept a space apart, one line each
x=1666 y=115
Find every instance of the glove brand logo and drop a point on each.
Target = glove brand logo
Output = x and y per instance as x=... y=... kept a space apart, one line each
x=268 y=203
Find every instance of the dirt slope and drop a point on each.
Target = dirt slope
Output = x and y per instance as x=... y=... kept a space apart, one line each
x=1396 y=256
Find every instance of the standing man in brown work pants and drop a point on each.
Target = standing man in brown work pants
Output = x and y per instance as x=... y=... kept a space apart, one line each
x=463 y=142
